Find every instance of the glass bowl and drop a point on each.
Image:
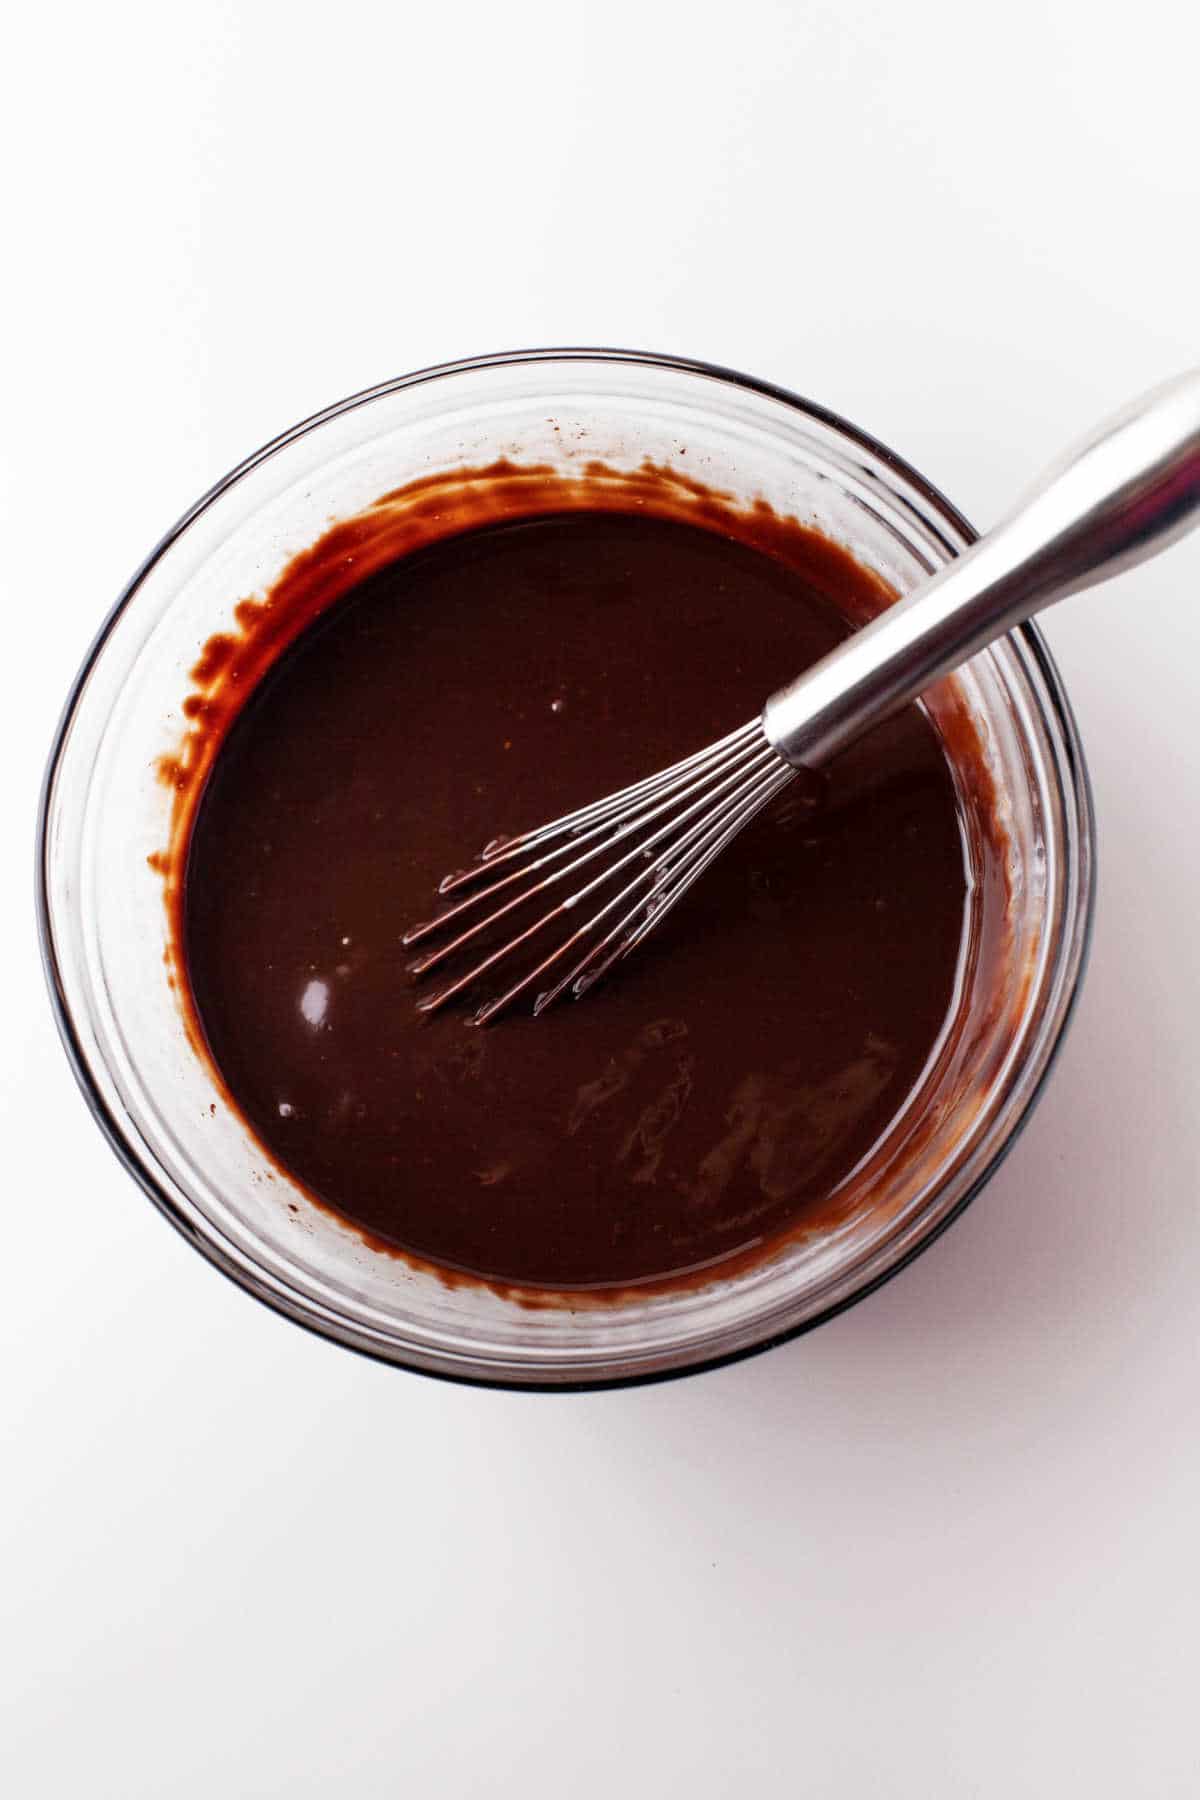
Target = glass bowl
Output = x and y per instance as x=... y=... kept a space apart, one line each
x=104 y=814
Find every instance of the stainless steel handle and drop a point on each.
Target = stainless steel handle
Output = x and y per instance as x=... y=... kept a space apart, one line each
x=1124 y=494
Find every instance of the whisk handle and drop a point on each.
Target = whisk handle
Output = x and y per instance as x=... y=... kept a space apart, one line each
x=1121 y=496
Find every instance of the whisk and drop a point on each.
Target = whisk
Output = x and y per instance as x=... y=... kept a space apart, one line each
x=620 y=864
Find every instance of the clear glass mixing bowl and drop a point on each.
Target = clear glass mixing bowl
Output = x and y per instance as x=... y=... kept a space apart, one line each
x=103 y=812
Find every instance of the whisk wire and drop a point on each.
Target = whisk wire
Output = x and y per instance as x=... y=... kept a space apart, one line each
x=674 y=879
x=707 y=761
x=675 y=822
x=731 y=771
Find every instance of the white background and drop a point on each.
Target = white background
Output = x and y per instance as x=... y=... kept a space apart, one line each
x=947 y=1546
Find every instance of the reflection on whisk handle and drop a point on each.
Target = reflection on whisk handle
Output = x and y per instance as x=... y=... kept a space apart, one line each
x=1123 y=495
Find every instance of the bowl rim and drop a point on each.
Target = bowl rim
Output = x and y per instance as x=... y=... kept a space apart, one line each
x=294 y=1308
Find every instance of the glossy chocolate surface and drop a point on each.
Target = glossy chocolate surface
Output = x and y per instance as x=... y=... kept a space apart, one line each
x=721 y=1087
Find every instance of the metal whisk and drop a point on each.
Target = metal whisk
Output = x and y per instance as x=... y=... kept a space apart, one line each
x=620 y=864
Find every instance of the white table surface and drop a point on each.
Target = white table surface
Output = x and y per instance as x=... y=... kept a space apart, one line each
x=947 y=1545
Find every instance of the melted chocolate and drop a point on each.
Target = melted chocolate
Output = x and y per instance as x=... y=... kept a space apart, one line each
x=715 y=1091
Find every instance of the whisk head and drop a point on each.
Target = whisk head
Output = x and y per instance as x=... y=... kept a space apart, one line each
x=618 y=865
